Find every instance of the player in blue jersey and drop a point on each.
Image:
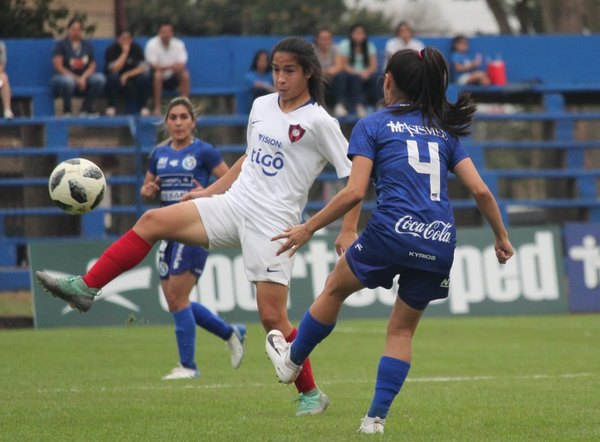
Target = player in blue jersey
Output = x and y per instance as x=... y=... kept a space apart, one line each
x=407 y=148
x=183 y=164
x=291 y=138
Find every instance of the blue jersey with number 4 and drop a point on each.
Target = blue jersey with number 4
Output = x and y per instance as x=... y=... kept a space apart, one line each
x=413 y=224
x=177 y=169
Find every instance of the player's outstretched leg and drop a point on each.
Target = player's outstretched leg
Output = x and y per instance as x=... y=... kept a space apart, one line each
x=278 y=350
x=79 y=291
x=71 y=289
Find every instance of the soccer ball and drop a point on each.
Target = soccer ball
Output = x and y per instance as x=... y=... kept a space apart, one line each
x=77 y=186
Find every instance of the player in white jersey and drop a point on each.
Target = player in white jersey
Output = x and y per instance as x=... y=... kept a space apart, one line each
x=290 y=139
x=408 y=148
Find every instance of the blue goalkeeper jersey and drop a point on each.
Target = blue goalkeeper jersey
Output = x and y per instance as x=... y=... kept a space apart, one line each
x=413 y=224
x=177 y=169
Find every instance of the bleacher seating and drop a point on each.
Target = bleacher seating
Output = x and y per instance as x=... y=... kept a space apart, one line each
x=545 y=66
x=563 y=69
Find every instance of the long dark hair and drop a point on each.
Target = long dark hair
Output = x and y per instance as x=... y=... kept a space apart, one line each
x=422 y=76
x=307 y=58
x=257 y=54
x=364 y=46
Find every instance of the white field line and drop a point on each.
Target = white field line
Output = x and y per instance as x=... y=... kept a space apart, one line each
x=174 y=385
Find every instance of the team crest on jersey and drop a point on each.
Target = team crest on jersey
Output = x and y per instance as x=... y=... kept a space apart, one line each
x=295 y=132
x=189 y=163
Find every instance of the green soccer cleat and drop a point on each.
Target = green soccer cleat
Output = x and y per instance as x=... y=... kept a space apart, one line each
x=314 y=402
x=70 y=289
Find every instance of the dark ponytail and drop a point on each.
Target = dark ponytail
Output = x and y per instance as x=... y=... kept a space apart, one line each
x=423 y=78
x=307 y=58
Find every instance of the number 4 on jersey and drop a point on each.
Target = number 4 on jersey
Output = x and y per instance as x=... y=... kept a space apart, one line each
x=431 y=168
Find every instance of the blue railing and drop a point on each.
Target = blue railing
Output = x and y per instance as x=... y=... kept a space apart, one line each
x=142 y=132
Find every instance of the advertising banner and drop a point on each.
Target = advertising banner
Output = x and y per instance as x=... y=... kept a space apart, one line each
x=582 y=242
x=531 y=282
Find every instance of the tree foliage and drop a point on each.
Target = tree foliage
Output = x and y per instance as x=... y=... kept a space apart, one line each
x=36 y=19
x=259 y=17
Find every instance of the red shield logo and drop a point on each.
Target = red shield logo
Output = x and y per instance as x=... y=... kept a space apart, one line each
x=295 y=132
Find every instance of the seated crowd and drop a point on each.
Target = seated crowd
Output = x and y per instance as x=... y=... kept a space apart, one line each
x=134 y=76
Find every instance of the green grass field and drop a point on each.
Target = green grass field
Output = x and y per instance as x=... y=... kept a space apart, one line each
x=476 y=379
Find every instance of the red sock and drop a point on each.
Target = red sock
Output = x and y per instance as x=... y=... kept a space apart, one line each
x=122 y=255
x=305 y=381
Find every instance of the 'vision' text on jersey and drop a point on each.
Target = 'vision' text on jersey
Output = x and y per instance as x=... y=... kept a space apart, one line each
x=285 y=153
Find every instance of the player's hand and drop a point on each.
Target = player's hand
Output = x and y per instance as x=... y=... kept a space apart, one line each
x=295 y=238
x=150 y=188
x=193 y=194
x=504 y=250
x=81 y=83
x=197 y=185
x=344 y=241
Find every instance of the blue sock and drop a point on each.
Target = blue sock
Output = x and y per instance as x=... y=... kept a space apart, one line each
x=310 y=333
x=185 y=333
x=391 y=374
x=211 y=322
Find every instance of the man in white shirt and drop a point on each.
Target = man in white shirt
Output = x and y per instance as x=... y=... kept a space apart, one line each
x=167 y=56
x=403 y=40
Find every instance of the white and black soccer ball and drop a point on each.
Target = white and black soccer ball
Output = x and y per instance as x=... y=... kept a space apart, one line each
x=77 y=186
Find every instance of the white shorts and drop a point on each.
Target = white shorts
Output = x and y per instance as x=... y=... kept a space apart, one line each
x=227 y=228
x=463 y=78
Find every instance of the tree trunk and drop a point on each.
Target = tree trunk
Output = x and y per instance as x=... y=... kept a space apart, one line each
x=563 y=16
x=496 y=6
x=570 y=17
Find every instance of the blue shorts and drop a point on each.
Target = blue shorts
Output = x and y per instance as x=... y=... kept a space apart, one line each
x=175 y=258
x=416 y=287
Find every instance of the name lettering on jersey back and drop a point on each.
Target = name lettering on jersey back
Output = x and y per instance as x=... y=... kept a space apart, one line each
x=270 y=164
x=433 y=231
x=413 y=129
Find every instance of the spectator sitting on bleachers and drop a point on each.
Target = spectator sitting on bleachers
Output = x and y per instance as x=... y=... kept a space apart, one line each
x=467 y=67
x=167 y=56
x=75 y=66
x=4 y=84
x=260 y=78
x=333 y=71
x=359 y=56
x=403 y=40
x=126 y=74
